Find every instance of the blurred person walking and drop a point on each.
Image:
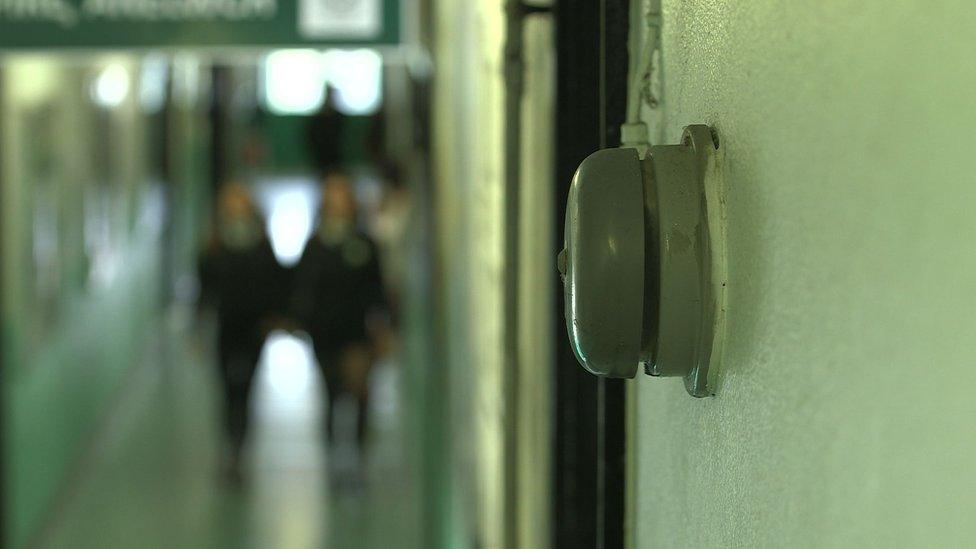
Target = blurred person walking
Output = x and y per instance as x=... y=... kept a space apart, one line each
x=326 y=135
x=243 y=282
x=390 y=227
x=338 y=293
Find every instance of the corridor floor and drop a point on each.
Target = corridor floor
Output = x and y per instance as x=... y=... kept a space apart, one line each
x=152 y=478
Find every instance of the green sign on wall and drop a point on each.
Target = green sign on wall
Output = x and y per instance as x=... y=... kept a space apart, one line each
x=46 y=24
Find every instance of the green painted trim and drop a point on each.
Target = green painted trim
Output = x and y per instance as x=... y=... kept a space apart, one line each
x=281 y=29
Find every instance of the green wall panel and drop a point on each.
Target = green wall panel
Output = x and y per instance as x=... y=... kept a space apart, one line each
x=58 y=399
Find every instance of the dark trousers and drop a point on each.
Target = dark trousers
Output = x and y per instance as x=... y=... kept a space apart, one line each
x=330 y=363
x=238 y=363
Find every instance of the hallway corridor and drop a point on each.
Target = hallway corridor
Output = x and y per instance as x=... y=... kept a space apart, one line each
x=153 y=479
x=624 y=274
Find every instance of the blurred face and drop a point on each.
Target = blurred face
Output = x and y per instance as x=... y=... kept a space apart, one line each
x=338 y=200
x=235 y=203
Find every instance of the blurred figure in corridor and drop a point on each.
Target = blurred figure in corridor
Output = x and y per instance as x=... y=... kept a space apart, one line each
x=338 y=293
x=390 y=227
x=326 y=133
x=242 y=281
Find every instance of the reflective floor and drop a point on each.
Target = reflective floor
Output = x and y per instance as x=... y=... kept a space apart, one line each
x=153 y=477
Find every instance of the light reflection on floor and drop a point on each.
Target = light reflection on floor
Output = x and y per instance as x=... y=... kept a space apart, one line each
x=287 y=463
x=154 y=479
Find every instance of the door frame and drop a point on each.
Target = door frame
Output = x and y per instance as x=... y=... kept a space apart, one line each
x=589 y=500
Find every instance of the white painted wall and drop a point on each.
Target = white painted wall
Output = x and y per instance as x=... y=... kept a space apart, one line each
x=536 y=389
x=469 y=163
x=468 y=106
x=846 y=414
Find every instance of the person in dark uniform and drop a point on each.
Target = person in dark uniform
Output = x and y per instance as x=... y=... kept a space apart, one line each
x=326 y=135
x=338 y=289
x=242 y=281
